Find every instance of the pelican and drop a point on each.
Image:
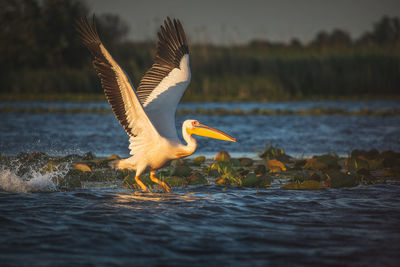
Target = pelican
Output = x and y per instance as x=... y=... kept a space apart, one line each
x=148 y=114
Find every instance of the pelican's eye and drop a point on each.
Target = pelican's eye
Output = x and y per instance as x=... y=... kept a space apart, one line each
x=195 y=123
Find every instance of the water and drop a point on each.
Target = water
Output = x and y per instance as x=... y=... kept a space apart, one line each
x=60 y=134
x=293 y=105
x=106 y=225
x=202 y=226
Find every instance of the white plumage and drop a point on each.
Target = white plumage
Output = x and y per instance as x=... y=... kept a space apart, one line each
x=161 y=104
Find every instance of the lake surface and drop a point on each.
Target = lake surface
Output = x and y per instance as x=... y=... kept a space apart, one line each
x=61 y=134
x=202 y=225
x=107 y=225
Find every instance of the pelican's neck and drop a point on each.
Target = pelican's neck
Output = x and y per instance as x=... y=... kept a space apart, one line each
x=191 y=143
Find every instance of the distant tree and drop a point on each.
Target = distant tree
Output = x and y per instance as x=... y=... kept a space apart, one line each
x=336 y=38
x=19 y=23
x=367 y=39
x=38 y=34
x=38 y=39
x=41 y=34
x=295 y=42
x=259 y=43
x=387 y=31
x=112 y=28
x=321 y=39
x=339 y=38
x=57 y=36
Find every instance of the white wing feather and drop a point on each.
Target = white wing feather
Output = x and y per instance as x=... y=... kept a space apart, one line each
x=161 y=104
x=139 y=122
x=117 y=87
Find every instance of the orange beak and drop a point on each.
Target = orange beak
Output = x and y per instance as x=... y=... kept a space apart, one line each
x=206 y=131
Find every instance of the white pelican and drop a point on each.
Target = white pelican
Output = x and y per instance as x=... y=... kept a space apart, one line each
x=148 y=114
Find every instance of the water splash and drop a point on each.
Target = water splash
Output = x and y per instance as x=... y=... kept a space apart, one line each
x=31 y=182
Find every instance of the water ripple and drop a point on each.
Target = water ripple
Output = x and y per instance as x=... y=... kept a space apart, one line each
x=202 y=225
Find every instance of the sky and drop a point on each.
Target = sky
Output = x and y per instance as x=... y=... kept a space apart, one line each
x=238 y=22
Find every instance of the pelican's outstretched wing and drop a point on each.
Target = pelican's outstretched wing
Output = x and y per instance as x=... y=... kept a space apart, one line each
x=116 y=84
x=164 y=83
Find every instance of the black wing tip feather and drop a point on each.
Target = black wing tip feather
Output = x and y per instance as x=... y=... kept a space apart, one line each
x=172 y=44
x=87 y=30
x=171 y=48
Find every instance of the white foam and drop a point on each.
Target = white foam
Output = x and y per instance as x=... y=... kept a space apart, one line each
x=12 y=183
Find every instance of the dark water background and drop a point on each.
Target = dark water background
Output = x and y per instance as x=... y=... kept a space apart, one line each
x=106 y=225
x=203 y=226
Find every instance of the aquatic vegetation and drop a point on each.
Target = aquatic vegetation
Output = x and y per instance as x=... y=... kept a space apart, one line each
x=338 y=179
x=227 y=173
x=199 y=160
x=315 y=165
x=197 y=178
x=272 y=152
x=82 y=167
x=275 y=165
x=246 y=162
x=181 y=171
x=329 y=170
x=372 y=160
x=331 y=160
x=222 y=156
x=260 y=169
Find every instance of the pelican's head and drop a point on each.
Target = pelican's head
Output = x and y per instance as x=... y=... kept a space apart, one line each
x=195 y=127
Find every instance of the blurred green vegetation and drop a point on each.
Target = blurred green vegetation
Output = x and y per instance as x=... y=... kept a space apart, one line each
x=43 y=58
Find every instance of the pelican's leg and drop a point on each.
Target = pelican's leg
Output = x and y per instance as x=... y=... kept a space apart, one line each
x=141 y=184
x=156 y=180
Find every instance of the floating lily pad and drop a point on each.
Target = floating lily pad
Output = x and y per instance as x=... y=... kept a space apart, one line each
x=246 y=162
x=177 y=162
x=222 y=156
x=182 y=171
x=276 y=166
x=243 y=172
x=264 y=181
x=199 y=160
x=330 y=160
x=82 y=167
x=315 y=176
x=250 y=180
x=235 y=162
x=197 y=179
x=260 y=169
x=375 y=164
x=315 y=165
x=73 y=179
x=356 y=163
x=338 y=179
